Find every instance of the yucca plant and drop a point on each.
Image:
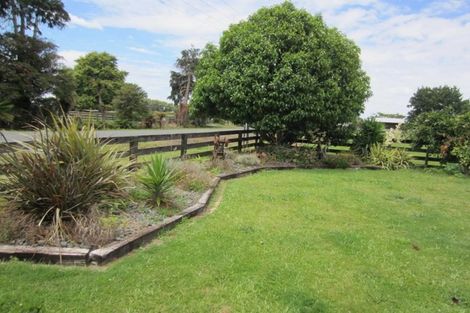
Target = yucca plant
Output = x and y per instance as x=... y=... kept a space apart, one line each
x=63 y=172
x=158 y=179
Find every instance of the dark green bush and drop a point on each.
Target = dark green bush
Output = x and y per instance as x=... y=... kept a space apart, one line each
x=305 y=156
x=194 y=177
x=369 y=132
x=336 y=161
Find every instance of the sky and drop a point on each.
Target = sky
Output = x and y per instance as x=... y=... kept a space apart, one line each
x=404 y=44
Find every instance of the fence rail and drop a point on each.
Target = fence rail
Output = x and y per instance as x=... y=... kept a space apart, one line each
x=134 y=146
x=94 y=115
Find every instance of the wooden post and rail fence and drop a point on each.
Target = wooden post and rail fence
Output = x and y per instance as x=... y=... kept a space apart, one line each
x=184 y=142
x=181 y=142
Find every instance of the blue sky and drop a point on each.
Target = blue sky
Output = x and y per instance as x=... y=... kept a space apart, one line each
x=405 y=44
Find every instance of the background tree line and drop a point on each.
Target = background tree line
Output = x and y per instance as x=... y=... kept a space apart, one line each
x=34 y=83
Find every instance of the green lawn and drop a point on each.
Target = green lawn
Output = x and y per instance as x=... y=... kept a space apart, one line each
x=284 y=241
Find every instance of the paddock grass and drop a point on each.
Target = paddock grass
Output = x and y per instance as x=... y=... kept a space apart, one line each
x=284 y=241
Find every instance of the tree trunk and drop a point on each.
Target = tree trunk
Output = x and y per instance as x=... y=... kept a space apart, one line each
x=22 y=21
x=36 y=27
x=184 y=104
x=101 y=106
x=14 y=21
x=321 y=152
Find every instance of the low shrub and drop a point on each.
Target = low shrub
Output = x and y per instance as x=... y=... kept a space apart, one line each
x=194 y=176
x=335 y=161
x=284 y=154
x=158 y=179
x=126 y=124
x=63 y=173
x=452 y=169
x=390 y=159
x=462 y=151
x=370 y=132
x=105 y=124
x=226 y=165
x=344 y=160
x=247 y=159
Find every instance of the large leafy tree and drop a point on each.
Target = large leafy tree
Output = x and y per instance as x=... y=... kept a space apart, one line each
x=32 y=81
x=284 y=72
x=26 y=16
x=182 y=81
x=98 y=79
x=432 y=118
x=65 y=89
x=130 y=103
x=438 y=99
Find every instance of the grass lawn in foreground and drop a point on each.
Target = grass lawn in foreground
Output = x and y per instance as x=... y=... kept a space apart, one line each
x=284 y=241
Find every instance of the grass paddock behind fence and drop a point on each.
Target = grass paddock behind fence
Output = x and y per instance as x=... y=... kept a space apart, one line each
x=287 y=241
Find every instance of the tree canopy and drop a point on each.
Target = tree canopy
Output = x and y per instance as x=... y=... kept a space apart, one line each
x=160 y=105
x=98 y=79
x=28 y=15
x=284 y=72
x=130 y=104
x=438 y=99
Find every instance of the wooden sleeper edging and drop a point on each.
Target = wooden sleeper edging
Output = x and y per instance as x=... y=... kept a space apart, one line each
x=68 y=256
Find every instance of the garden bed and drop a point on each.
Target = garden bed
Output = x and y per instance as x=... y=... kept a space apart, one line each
x=122 y=245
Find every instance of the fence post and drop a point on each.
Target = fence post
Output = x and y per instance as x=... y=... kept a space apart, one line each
x=184 y=145
x=240 y=141
x=133 y=149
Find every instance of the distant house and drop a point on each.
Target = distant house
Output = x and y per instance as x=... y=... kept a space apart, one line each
x=390 y=122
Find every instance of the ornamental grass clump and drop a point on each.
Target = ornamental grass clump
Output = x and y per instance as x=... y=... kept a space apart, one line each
x=62 y=173
x=193 y=175
x=159 y=178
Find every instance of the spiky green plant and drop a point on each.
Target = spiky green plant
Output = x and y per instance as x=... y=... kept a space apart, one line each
x=63 y=172
x=158 y=179
x=389 y=159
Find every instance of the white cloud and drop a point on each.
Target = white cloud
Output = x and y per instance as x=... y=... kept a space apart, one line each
x=142 y=50
x=78 y=21
x=403 y=52
x=151 y=76
x=402 y=49
x=443 y=7
x=70 y=56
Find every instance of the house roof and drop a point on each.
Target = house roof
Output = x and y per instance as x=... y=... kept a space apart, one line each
x=390 y=120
